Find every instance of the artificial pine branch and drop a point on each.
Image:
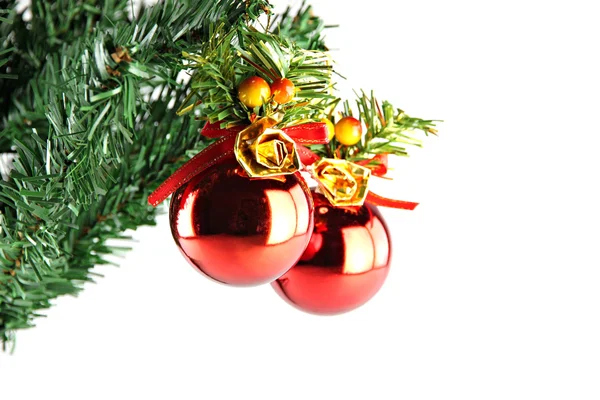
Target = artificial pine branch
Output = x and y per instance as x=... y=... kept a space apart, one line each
x=388 y=131
x=92 y=122
x=232 y=55
x=89 y=107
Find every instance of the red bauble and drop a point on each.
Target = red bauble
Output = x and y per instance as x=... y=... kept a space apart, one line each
x=242 y=231
x=345 y=263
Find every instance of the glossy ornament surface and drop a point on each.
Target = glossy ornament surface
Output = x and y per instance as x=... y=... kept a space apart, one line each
x=241 y=231
x=348 y=131
x=254 y=91
x=345 y=263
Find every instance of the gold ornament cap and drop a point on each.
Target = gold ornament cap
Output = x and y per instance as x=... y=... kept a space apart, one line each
x=342 y=182
x=264 y=152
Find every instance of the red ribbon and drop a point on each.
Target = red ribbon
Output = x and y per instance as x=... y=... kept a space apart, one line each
x=310 y=133
x=378 y=200
x=379 y=167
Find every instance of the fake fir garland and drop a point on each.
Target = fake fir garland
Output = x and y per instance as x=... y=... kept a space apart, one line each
x=89 y=142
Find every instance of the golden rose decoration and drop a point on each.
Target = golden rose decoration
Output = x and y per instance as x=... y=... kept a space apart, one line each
x=342 y=182
x=263 y=151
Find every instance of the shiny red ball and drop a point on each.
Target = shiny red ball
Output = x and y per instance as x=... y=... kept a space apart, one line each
x=240 y=231
x=345 y=263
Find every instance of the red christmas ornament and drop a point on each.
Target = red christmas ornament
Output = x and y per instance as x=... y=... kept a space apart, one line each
x=241 y=231
x=345 y=263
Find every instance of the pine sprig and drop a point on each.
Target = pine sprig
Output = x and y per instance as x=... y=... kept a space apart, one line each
x=305 y=27
x=87 y=101
x=213 y=84
x=92 y=122
x=52 y=24
x=388 y=131
x=230 y=56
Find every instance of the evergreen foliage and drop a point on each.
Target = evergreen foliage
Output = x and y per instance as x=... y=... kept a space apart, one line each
x=91 y=104
x=87 y=105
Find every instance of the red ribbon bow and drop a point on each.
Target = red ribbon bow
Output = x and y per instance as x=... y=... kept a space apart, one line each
x=222 y=149
x=310 y=133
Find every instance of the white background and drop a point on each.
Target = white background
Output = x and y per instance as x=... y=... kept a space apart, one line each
x=495 y=288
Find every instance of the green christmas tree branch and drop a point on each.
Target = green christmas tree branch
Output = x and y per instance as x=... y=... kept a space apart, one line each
x=88 y=105
x=305 y=27
x=231 y=55
x=91 y=120
x=388 y=130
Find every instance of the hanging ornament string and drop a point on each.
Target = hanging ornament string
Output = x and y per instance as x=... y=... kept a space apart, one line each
x=225 y=148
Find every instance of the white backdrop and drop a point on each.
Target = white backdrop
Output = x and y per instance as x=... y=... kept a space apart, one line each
x=493 y=293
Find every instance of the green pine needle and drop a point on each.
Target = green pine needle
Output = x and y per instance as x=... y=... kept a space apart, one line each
x=89 y=104
x=232 y=55
x=389 y=131
x=90 y=116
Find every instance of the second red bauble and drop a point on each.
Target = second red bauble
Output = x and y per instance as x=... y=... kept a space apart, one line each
x=345 y=263
x=240 y=231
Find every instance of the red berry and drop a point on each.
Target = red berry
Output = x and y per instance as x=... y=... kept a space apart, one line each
x=348 y=131
x=254 y=91
x=283 y=90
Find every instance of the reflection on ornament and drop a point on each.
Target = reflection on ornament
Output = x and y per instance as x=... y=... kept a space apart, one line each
x=241 y=231
x=281 y=205
x=345 y=263
x=360 y=254
x=342 y=182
